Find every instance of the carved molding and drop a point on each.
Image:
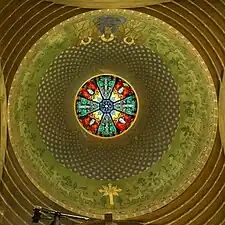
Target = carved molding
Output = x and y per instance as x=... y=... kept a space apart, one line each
x=3 y=123
x=105 y=4
x=222 y=111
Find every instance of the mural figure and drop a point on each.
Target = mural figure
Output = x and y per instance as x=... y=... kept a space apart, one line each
x=109 y=21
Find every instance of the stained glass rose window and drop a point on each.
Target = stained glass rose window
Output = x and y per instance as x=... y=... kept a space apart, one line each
x=106 y=105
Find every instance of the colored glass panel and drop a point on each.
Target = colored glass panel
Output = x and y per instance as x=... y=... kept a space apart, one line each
x=85 y=106
x=121 y=90
x=121 y=120
x=91 y=121
x=106 y=84
x=106 y=106
x=107 y=127
x=127 y=105
x=90 y=91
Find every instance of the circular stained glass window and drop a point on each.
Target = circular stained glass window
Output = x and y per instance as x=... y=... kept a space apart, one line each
x=106 y=106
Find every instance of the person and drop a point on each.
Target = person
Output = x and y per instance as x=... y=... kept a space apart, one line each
x=56 y=220
x=37 y=215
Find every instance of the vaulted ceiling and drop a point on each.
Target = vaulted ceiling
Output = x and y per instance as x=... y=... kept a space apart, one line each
x=170 y=162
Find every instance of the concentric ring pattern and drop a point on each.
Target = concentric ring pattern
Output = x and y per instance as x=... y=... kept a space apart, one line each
x=110 y=161
x=70 y=166
x=106 y=106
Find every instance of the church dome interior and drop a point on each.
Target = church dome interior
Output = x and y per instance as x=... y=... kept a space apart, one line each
x=112 y=109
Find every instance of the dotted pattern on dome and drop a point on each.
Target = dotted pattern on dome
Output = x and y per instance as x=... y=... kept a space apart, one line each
x=106 y=106
x=121 y=160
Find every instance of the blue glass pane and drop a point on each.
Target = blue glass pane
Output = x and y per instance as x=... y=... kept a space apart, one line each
x=105 y=85
x=85 y=106
x=127 y=105
x=107 y=127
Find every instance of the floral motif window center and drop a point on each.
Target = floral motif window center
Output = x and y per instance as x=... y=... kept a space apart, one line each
x=106 y=106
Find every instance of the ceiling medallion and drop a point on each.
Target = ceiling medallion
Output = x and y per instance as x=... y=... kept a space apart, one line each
x=128 y=40
x=106 y=106
x=107 y=37
x=86 y=41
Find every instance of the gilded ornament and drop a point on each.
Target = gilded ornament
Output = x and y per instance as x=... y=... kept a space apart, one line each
x=110 y=191
x=128 y=40
x=107 y=37
x=86 y=41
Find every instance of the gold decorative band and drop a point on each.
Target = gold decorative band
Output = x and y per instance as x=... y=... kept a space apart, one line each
x=222 y=111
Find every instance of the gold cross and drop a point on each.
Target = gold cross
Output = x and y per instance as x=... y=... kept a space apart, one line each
x=110 y=191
